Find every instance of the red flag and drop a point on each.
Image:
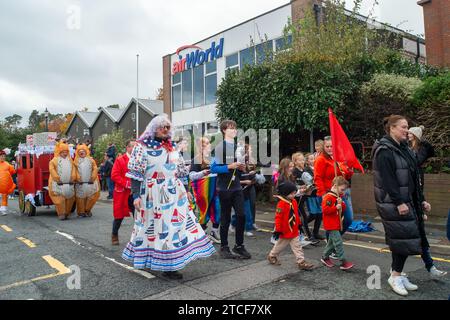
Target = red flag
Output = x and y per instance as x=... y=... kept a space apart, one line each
x=342 y=149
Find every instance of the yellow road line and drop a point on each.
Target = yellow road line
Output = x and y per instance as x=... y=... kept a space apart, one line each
x=55 y=264
x=6 y=228
x=27 y=242
x=384 y=250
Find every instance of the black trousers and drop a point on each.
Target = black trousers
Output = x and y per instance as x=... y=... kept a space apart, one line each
x=398 y=262
x=228 y=200
x=303 y=216
x=317 y=218
x=118 y=222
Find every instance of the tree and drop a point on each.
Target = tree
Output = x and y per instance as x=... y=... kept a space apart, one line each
x=101 y=145
x=13 y=121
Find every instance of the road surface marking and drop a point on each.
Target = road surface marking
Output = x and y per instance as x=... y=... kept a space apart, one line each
x=6 y=228
x=27 y=242
x=384 y=250
x=55 y=264
x=140 y=272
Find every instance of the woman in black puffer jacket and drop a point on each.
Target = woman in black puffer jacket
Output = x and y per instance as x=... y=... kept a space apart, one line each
x=399 y=198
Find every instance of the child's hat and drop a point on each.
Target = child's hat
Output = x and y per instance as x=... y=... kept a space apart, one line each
x=286 y=188
x=417 y=131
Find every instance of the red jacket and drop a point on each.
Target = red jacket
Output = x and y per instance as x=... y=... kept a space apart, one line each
x=122 y=187
x=282 y=218
x=118 y=173
x=324 y=173
x=330 y=213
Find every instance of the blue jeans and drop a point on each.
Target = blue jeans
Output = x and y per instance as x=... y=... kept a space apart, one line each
x=248 y=216
x=426 y=257
x=348 y=213
x=110 y=184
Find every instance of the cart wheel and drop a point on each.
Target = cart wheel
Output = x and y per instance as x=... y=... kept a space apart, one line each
x=21 y=201
x=30 y=210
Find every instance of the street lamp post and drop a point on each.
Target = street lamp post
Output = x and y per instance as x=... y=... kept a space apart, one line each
x=46 y=119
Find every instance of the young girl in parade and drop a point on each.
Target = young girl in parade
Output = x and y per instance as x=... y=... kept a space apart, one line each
x=203 y=185
x=7 y=185
x=299 y=161
x=166 y=234
x=332 y=207
x=313 y=202
x=287 y=225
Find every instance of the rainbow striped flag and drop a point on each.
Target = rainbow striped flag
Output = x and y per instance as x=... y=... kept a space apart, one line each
x=206 y=199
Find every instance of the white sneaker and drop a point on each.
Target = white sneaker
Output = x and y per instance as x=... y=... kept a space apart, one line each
x=255 y=227
x=2 y=209
x=436 y=273
x=272 y=240
x=397 y=285
x=408 y=285
x=214 y=236
x=4 y=213
x=402 y=274
x=249 y=234
x=305 y=243
x=232 y=229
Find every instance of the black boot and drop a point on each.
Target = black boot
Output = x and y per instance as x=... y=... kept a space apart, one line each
x=173 y=275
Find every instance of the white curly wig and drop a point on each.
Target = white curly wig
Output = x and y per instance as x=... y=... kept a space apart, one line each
x=157 y=122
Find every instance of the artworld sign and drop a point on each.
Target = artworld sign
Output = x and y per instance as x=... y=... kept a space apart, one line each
x=197 y=57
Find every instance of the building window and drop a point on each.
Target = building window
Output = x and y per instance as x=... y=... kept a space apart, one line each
x=133 y=116
x=186 y=84
x=212 y=127
x=76 y=129
x=199 y=86
x=176 y=98
x=211 y=83
x=283 y=43
x=210 y=89
x=264 y=52
x=232 y=61
x=106 y=123
x=247 y=56
x=176 y=92
x=86 y=132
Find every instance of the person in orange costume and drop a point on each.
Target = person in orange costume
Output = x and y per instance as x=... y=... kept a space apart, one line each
x=87 y=189
x=7 y=185
x=61 y=181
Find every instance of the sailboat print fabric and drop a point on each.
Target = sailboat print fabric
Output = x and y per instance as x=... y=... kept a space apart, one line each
x=166 y=234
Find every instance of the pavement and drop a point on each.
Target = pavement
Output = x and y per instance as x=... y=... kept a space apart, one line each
x=44 y=258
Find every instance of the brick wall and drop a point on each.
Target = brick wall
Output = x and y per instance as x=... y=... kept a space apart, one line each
x=299 y=8
x=437 y=193
x=437 y=31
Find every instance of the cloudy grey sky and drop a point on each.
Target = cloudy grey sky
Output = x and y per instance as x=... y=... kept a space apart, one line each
x=49 y=60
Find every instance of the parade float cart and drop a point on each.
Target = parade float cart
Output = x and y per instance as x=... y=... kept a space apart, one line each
x=33 y=173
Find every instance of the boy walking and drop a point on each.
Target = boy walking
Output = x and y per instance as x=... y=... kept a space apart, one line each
x=229 y=171
x=287 y=226
x=332 y=208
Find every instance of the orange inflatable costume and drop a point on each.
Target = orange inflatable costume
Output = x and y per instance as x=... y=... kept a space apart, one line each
x=7 y=185
x=87 y=189
x=61 y=181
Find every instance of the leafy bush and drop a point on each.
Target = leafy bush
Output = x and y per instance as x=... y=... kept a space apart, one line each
x=101 y=145
x=434 y=90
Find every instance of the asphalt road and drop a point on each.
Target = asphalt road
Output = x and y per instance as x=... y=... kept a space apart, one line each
x=41 y=258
